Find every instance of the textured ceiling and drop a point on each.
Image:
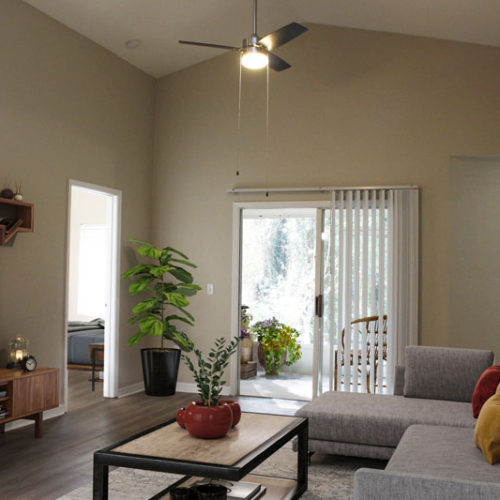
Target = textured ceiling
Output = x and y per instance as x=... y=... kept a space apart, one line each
x=161 y=23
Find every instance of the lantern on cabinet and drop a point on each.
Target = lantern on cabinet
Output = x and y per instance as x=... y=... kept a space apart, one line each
x=18 y=349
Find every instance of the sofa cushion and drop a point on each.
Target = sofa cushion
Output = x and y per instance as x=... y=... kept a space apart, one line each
x=377 y=419
x=442 y=451
x=485 y=388
x=487 y=431
x=443 y=372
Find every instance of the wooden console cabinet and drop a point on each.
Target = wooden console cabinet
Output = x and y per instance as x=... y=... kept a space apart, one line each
x=29 y=395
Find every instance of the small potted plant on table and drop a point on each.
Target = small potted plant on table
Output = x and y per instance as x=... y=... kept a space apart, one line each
x=278 y=345
x=210 y=417
x=166 y=283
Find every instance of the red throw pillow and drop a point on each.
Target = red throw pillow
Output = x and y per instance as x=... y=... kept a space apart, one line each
x=485 y=388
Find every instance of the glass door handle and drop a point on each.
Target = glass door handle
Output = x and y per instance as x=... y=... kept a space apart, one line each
x=318 y=306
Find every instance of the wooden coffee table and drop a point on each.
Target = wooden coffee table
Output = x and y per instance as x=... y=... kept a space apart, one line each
x=168 y=448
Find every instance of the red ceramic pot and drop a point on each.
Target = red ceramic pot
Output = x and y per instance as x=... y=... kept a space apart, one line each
x=208 y=422
x=236 y=409
x=180 y=417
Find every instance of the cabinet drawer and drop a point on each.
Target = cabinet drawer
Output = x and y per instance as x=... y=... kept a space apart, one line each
x=35 y=393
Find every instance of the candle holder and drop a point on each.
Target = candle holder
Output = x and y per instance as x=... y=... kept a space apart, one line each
x=18 y=349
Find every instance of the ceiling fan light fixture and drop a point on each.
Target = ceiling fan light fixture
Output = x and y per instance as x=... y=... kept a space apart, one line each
x=254 y=58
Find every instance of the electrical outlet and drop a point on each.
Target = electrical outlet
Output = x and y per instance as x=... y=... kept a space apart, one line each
x=210 y=289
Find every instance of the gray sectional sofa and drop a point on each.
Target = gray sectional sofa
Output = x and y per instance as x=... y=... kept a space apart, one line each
x=425 y=428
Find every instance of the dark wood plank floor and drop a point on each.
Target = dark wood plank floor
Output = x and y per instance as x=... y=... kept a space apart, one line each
x=61 y=461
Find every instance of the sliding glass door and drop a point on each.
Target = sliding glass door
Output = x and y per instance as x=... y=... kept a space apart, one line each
x=321 y=289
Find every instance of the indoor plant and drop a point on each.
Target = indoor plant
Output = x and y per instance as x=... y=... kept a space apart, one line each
x=166 y=284
x=211 y=417
x=278 y=345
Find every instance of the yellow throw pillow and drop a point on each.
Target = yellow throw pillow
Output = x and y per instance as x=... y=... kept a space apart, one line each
x=487 y=431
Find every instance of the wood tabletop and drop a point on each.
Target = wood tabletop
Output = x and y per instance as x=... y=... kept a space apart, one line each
x=7 y=374
x=175 y=443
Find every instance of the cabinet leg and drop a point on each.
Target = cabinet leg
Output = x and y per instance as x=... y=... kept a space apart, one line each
x=38 y=425
x=2 y=428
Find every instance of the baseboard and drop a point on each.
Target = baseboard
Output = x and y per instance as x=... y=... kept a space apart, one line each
x=128 y=390
x=191 y=387
x=17 y=424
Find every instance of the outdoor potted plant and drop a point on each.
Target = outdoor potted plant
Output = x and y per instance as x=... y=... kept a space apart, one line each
x=278 y=345
x=166 y=284
x=210 y=417
x=246 y=341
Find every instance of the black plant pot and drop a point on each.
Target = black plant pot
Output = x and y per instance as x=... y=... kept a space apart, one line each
x=160 y=368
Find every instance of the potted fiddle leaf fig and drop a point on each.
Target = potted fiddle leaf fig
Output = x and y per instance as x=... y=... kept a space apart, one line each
x=164 y=283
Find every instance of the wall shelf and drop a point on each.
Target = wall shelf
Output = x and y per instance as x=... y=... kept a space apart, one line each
x=22 y=212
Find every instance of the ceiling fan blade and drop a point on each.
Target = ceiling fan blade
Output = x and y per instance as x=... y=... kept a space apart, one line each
x=282 y=35
x=277 y=63
x=212 y=45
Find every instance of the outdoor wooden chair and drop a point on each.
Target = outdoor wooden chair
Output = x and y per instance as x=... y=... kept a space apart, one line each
x=359 y=327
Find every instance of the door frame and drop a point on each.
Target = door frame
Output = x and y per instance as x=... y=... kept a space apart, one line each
x=111 y=352
x=238 y=207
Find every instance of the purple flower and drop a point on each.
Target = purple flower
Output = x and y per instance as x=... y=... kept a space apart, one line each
x=244 y=334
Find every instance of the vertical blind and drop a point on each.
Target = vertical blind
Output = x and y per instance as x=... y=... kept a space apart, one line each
x=374 y=286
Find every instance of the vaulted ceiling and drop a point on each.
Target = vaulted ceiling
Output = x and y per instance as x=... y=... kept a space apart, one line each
x=159 y=24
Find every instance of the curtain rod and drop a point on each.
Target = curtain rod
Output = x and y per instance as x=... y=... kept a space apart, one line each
x=325 y=189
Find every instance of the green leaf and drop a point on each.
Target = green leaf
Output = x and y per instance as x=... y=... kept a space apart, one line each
x=149 y=251
x=140 y=285
x=189 y=315
x=177 y=299
x=139 y=269
x=186 y=292
x=151 y=325
x=159 y=270
x=145 y=305
x=190 y=285
x=181 y=274
x=174 y=317
x=173 y=250
x=185 y=262
x=135 y=338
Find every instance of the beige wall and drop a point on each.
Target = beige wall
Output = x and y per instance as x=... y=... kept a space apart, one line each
x=474 y=266
x=69 y=109
x=356 y=108
x=86 y=208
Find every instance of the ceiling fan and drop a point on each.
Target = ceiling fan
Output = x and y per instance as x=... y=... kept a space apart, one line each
x=256 y=51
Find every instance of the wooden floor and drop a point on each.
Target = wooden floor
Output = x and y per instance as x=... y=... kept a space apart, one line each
x=80 y=390
x=61 y=461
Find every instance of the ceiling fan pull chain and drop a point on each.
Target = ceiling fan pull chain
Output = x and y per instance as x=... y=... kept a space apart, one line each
x=238 y=145
x=267 y=116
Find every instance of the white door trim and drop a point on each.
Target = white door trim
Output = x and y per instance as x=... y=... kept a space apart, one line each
x=111 y=337
x=236 y=269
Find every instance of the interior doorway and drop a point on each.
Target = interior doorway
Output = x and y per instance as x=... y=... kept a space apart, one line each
x=92 y=299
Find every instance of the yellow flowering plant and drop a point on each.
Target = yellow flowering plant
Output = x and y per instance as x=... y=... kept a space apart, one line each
x=277 y=340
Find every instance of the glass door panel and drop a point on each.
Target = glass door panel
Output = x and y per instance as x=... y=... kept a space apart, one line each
x=278 y=267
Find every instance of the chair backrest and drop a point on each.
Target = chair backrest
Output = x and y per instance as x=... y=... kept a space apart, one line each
x=367 y=326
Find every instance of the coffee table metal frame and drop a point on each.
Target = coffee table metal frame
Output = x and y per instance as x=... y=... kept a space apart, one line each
x=105 y=458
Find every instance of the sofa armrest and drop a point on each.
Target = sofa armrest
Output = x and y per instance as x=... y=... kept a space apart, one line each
x=374 y=484
x=399 y=380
